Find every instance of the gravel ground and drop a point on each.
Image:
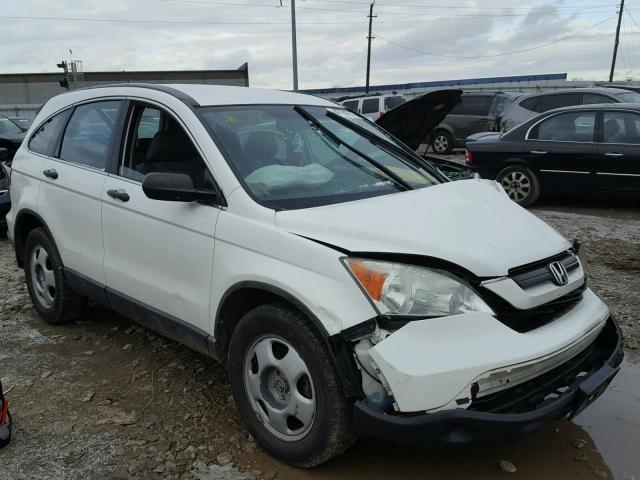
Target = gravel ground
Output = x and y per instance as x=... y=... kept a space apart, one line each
x=105 y=398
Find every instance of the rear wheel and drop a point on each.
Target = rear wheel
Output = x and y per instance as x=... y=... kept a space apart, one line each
x=286 y=388
x=520 y=183
x=442 y=142
x=50 y=294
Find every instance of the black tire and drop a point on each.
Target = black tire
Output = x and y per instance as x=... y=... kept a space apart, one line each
x=520 y=183
x=66 y=305
x=442 y=142
x=331 y=431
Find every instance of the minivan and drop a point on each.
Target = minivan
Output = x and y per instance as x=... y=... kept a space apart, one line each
x=374 y=106
x=350 y=288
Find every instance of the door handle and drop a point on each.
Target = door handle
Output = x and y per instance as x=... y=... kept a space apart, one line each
x=538 y=152
x=613 y=154
x=119 y=194
x=51 y=173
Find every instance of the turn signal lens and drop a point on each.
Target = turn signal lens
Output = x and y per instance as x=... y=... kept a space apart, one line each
x=371 y=279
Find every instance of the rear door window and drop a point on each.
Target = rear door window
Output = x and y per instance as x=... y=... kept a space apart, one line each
x=45 y=138
x=89 y=134
x=370 y=105
x=559 y=100
x=566 y=127
x=621 y=127
x=351 y=105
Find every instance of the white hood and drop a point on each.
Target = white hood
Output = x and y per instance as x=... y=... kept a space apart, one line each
x=470 y=223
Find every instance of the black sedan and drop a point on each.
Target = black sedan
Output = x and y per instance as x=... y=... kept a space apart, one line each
x=577 y=150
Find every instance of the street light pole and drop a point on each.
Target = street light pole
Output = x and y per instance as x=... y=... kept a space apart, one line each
x=294 y=45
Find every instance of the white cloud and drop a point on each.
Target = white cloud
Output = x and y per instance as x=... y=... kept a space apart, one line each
x=329 y=54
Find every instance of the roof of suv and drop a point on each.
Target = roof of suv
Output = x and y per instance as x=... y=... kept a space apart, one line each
x=204 y=95
x=606 y=90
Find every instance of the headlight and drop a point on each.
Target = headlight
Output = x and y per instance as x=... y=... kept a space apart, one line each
x=399 y=289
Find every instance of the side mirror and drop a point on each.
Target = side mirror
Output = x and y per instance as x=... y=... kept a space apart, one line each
x=4 y=155
x=175 y=187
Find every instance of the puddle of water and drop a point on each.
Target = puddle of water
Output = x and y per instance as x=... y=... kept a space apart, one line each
x=613 y=422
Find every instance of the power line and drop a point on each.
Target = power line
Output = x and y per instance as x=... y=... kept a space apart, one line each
x=532 y=11
x=514 y=52
x=170 y=22
x=467 y=7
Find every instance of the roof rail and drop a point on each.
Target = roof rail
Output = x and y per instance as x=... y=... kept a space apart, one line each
x=180 y=95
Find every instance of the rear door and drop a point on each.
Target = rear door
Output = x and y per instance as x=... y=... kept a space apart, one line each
x=69 y=198
x=470 y=117
x=618 y=161
x=563 y=150
x=158 y=255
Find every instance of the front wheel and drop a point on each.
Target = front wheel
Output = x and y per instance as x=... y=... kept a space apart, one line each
x=286 y=387
x=520 y=183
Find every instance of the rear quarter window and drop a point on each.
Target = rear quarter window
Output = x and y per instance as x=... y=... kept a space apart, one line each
x=393 y=102
x=530 y=103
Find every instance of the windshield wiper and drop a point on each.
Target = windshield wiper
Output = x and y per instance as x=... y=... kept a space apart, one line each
x=310 y=118
x=380 y=141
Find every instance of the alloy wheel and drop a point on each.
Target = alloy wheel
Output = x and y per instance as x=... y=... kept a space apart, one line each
x=279 y=387
x=43 y=277
x=517 y=185
x=440 y=143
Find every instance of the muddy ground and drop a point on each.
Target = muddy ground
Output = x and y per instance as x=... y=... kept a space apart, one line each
x=104 y=398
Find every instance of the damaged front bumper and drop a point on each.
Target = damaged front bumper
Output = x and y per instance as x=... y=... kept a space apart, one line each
x=562 y=392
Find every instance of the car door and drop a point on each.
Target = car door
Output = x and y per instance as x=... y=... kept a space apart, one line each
x=158 y=256
x=471 y=118
x=562 y=149
x=618 y=162
x=70 y=192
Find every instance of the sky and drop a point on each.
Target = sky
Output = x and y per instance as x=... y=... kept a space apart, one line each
x=416 y=40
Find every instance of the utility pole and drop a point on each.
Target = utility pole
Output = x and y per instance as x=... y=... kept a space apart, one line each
x=369 y=38
x=615 y=45
x=294 y=45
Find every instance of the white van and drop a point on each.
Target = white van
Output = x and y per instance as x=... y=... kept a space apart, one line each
x=373 y=106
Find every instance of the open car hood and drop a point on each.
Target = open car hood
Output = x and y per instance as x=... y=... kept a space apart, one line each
x=412 y=121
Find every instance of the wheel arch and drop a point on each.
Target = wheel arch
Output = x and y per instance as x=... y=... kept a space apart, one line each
x=26 y=221
x=244 y=296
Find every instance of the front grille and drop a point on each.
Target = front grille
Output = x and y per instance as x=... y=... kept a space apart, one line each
x=527 y=320
x=532 y=274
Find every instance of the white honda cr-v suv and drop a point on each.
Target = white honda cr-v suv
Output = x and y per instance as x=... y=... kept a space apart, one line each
x=348 y=285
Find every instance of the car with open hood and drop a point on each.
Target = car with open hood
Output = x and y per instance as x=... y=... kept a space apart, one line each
x=348 y=285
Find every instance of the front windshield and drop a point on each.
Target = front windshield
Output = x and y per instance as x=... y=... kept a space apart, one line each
x=628 y=97
x=297 y=157
x=7 y=126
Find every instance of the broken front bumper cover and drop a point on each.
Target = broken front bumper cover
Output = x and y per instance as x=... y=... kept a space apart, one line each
x=562 y=392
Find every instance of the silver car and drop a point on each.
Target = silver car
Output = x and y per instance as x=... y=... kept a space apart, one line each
x=529 y=106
